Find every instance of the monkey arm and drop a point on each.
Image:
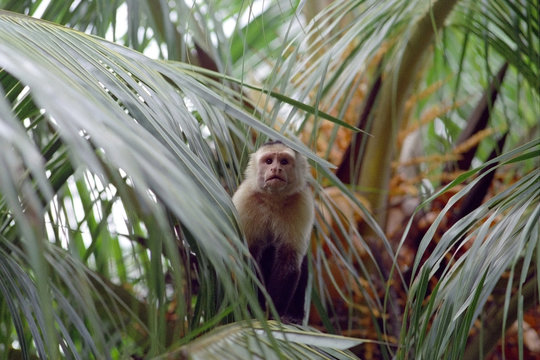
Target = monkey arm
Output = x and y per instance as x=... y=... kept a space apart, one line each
x=265 y=261
x=284 y=278
x=295 y=312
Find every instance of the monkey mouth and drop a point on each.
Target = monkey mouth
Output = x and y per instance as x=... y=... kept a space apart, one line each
x=275 y=177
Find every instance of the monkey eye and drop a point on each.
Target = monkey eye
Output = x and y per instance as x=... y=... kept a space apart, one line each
x=284 y=161
x=268 y=161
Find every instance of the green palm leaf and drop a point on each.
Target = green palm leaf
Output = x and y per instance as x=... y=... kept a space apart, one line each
x=222 y=343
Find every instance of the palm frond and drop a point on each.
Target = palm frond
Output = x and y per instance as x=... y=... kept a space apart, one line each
x=499 y=235
x=223 y=343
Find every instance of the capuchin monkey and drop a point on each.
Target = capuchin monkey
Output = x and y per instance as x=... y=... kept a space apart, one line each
x=275 y=208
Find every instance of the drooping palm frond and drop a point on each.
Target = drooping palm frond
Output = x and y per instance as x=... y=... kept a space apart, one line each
x=126 y=128
x=305 y=344
x=499 y=235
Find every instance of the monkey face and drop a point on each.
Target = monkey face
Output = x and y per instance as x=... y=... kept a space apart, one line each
x=276 y=170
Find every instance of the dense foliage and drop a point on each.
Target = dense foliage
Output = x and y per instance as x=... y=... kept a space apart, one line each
x=125 y=126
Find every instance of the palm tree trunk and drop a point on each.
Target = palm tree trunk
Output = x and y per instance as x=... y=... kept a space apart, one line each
x=376 y=169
